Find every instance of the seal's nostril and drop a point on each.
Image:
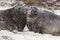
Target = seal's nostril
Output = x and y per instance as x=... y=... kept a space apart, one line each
x=3 y=20
x=0 y=19
x=19 y=8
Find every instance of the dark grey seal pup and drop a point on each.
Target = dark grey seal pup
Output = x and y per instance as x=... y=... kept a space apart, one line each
x=13 y=19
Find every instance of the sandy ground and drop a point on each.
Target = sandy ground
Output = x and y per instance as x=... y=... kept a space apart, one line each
x=6 y=35
x=25 y=35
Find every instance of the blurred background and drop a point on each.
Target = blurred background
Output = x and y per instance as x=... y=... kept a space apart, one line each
x=55 y=4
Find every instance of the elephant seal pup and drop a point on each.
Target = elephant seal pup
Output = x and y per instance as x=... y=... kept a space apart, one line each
x=12 y=19
x=43 y=22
